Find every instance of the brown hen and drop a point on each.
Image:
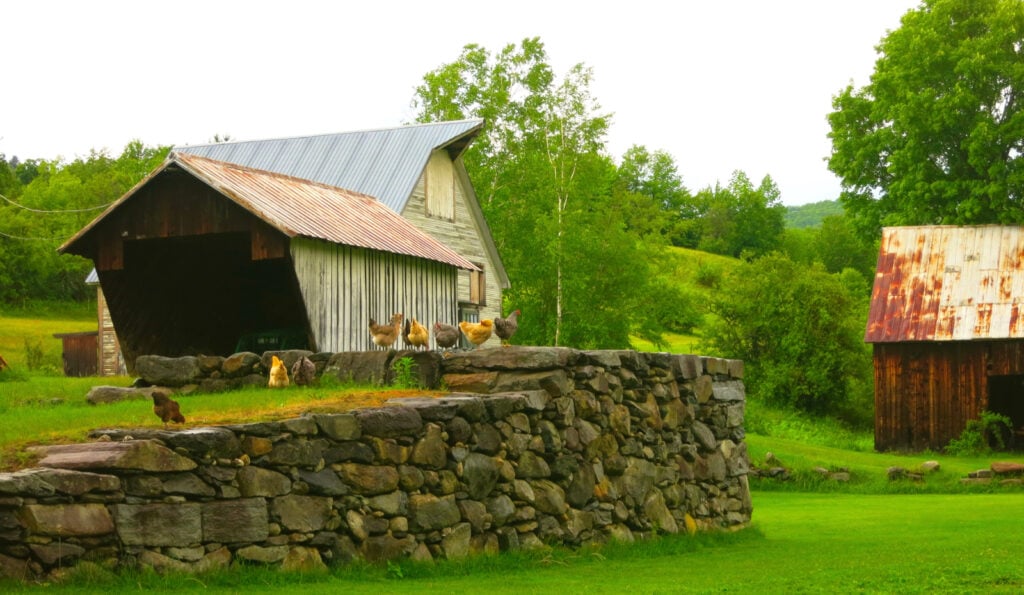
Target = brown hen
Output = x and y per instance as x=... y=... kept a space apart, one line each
x=506 y=327
x=384 y=335
x=446 y=335
x=166 y=408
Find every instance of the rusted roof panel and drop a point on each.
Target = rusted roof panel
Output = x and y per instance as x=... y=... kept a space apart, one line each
x=299 y=207
x=948 y=283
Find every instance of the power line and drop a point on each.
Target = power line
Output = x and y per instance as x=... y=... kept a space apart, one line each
x=85 y=210
x=9 y=236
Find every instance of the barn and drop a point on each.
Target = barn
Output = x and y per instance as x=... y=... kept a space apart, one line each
x=946 y=324
x=302 y=239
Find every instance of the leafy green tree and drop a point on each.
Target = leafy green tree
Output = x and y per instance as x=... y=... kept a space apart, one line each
x=799 y=330
x=653 y=200
x=8 y=180
x=27 y=171
x=741 y=219
x=837 y=246
x=60 y=199
x=937 y=136
x=545 y=187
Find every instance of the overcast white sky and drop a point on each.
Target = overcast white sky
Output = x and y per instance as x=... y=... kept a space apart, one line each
x=721 y=85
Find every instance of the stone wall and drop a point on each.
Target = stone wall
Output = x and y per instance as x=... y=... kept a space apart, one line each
x=534 y=446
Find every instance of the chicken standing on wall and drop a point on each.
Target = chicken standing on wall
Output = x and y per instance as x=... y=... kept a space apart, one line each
x=385 y=335
x=278 y=373
x=506 y=327
x=477 y=332
x=166 y=408
x=303 y=372
x=415 y=334
x=446 y=335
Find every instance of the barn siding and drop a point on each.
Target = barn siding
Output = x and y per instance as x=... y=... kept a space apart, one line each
x=175 y=206
x=463 y=236
x=925 y=393
x=111 y=362
x=343 y=287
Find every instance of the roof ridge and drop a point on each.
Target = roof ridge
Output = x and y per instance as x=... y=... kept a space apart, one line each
x=340 y=133
x=175 y=155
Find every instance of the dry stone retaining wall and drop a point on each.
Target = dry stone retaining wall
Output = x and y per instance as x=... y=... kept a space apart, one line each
x=535 y=446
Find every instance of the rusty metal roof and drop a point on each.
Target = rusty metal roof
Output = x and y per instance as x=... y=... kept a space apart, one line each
x=298 y=207
x=948 y=283
x=384 y=163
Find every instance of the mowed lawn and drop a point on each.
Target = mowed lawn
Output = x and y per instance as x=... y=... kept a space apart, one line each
x=813 y=543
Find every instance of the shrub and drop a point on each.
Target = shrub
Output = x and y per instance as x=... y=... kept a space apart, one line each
x=34 y=354
x=991 y=431
x=798 y=329
x=708 y=275
x=405 y=373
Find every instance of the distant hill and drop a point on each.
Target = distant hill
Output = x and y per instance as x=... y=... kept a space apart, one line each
x=811 y=214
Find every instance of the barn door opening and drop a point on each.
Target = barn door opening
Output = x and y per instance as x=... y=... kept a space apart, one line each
x=1006 y=397
x=200 y=295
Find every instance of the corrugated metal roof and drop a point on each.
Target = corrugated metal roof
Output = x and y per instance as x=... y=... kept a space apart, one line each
x=948 y=283
x=299 y=207
x=384 y=163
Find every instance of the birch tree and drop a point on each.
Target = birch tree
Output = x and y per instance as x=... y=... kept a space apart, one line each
x=544 y=184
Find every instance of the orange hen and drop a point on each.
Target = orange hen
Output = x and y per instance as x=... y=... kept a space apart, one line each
x=416 y=335
x=278 y=373
x=477 y=332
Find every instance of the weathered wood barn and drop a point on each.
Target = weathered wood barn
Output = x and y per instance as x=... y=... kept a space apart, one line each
x=415 y=171
x=203 y=253
x=947 y=327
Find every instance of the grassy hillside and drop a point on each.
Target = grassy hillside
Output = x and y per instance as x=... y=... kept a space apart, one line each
x=23 y=330
x=697 y=273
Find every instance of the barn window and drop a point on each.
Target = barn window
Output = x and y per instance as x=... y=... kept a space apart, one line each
x=478 y=286
x=440 y=187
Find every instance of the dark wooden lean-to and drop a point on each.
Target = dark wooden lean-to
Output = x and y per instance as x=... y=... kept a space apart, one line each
x=185 y=271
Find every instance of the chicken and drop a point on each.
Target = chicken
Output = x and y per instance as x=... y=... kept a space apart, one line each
x=166 y=408
x=384 y=335
x=303 y=372
x=278 y=373
x=446 y=335
x=415 y=334
x=477 y=332
x=506 y=327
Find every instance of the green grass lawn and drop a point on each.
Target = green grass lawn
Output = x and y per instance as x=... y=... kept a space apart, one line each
x=36 y=326
x=800 y=543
